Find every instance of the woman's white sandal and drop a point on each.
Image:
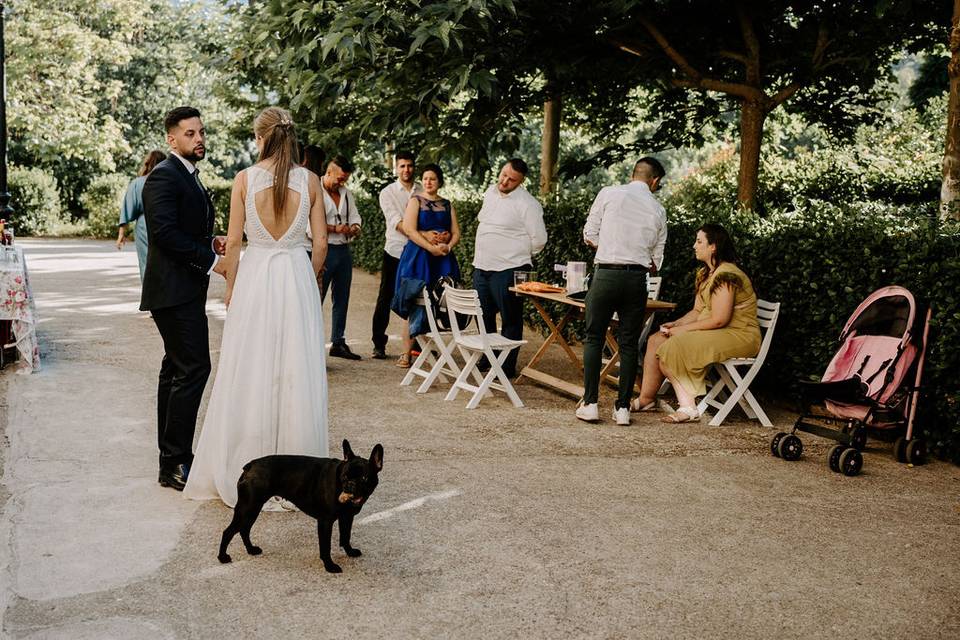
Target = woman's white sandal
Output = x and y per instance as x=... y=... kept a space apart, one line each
x=682 y=414
x=647 y=408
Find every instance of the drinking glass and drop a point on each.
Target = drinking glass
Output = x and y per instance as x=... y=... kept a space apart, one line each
x=519 y=277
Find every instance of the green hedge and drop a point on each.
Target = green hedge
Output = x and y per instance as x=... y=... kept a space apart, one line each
x=101 y=202
x=219 y=189
x=819 y=262
x=368 y=248
x=35 y=199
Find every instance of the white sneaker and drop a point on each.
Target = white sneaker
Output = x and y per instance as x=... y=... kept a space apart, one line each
x=589 y=412
x=622 y=416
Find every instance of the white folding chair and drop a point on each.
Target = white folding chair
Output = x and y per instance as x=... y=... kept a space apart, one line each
x=428 y=366
x=653 y=293
x=473 y=346
x=735 y=387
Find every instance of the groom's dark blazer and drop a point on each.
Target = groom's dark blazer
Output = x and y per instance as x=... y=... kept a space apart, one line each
x=179 y=217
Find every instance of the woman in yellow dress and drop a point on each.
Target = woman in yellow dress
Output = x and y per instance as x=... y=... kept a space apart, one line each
x=721 y=325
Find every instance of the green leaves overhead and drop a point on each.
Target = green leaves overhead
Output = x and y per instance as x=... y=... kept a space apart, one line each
x=450 y=76
x=89 y=83
x=445 y=76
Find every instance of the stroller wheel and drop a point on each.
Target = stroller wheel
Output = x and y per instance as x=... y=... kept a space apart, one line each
x=775 y=444
x=916 y=452
x=790 y=447
x=900 y=449
x=833 y=457
x=851 y=462
x=858 y=437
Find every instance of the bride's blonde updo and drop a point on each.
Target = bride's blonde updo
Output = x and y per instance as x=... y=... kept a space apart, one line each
x=275 y=126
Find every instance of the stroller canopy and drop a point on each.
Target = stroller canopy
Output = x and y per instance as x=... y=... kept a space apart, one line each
x=879 y=343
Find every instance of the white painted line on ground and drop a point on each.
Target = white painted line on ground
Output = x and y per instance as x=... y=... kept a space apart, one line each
x=413 y=504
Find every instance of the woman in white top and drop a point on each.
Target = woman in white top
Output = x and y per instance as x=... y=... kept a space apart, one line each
x=270 y=391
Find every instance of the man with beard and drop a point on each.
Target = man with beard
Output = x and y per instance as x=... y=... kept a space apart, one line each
x=393 y=202
x=181 y=254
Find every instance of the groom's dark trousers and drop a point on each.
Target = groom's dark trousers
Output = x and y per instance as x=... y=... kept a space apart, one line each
x=179 y=217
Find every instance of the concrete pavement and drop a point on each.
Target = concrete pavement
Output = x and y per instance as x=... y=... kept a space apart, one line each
x=492 y=523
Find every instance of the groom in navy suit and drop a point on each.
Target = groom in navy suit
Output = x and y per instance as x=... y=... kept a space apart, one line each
x=181 y=255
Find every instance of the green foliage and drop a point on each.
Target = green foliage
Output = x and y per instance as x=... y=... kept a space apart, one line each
x=896 y=162
x=219 y=190
x=56 y=51
x=35 y=199
x=442 y=76
x=89 y=83
x=459 y=79
x=820 y=250
x=932 y=80
x=101 y=202
x=102 y=198
x=820 y=263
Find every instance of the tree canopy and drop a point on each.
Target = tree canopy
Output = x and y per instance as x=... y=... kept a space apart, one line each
x=458 y=75
x=89 y=83
x=821 y=59
x=448 y=76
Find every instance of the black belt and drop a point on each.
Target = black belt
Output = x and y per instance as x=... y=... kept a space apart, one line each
x=623 y=267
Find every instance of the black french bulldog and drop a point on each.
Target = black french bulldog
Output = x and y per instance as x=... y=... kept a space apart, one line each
x=323 y=488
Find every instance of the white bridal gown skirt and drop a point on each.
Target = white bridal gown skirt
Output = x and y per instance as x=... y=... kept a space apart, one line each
x=270 y=391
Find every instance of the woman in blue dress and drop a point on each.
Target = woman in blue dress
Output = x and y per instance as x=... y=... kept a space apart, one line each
x=430 y=223
x=132 y=208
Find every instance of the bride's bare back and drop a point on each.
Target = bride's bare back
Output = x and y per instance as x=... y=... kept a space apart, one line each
x=276 y=225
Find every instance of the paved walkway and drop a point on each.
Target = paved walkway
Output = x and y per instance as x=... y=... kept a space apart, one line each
x=492 y=523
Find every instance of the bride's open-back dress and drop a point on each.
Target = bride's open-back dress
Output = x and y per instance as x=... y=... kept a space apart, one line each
x=270 y=392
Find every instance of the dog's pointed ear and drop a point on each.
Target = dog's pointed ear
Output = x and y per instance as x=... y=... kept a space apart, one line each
x=376 y=458
x=347 y=451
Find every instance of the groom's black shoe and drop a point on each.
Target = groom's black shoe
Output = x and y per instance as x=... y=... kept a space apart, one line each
x=174 y=477
x=343 y=351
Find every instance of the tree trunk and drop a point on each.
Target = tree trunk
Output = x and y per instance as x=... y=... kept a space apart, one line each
x=388 y=156
x=752 y=116
x=950 y=188
x=550 y=144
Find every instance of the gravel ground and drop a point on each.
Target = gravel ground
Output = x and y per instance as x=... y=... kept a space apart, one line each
x=493 y=523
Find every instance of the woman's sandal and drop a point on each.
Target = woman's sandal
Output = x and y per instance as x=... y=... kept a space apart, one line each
x=683 y=414
x=404 y=361
x=650 y=407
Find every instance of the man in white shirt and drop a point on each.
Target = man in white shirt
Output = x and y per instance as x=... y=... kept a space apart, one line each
x=510 y=231
x=628 y=228
x=343 y=225
x=393 y=202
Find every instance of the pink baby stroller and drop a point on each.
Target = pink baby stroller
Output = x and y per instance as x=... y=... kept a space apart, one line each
x=871 y=385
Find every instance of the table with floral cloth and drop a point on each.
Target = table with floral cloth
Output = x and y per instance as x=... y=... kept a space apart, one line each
x=17 y=306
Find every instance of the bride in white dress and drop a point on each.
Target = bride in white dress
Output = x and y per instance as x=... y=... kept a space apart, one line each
x=270 y=392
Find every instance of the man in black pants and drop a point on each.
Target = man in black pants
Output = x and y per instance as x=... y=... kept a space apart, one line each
x=181 y=255
x=628 y=228
x=393 y=201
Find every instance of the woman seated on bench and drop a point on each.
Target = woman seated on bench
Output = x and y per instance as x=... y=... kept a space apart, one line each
x=721 y=325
